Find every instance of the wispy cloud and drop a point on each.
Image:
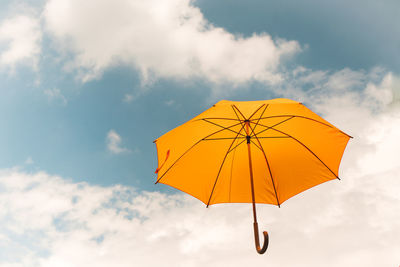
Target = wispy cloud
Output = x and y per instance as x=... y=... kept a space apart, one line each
x=29 y=161
x=128 y=98
x=114 y=142
x=55 y=95
x=21 y=37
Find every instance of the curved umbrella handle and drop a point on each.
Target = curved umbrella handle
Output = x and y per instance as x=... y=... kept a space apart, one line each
x=257 y=240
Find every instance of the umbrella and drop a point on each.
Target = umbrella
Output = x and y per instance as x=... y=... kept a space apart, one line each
x=250 y=152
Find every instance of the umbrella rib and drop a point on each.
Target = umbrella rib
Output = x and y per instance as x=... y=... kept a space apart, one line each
x=266 y=137
x=269 y=127
x=214 y=118
x=298 y=116
x=298 y=141
x=223 y=128
x=269 y=168
x=304 y=117
x=230 y=179
x=220 y=168
x=253 y=129
x=258 y=110
x=191 y=148
x=236 y=146
x=255 y=144
x=242 y=124
x=216 y=124
x=233 y=106
x=223 y=138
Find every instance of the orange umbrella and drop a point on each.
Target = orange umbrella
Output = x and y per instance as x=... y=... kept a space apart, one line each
x=250 y=152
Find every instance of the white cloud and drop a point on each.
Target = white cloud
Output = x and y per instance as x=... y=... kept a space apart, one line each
x=20 y=40
x=163 y=39
x=114 y=143
x=55 y=95
x=50 y=221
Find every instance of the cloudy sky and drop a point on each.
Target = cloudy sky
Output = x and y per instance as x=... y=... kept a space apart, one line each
x=86 y=86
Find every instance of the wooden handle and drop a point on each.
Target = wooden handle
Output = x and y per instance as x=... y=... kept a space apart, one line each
x=260 y=250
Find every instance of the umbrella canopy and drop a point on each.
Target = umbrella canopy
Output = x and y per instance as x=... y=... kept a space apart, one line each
x=250 y=152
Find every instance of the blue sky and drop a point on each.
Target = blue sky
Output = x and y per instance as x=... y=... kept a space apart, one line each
x=85 y=91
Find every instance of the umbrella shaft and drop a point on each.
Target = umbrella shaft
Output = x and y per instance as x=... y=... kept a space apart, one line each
x=252 y=185
x=251 y=175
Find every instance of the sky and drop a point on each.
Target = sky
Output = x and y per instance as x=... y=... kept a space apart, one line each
x=86 y=86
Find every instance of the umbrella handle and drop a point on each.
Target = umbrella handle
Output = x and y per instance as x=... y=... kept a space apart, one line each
x=257 y=240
